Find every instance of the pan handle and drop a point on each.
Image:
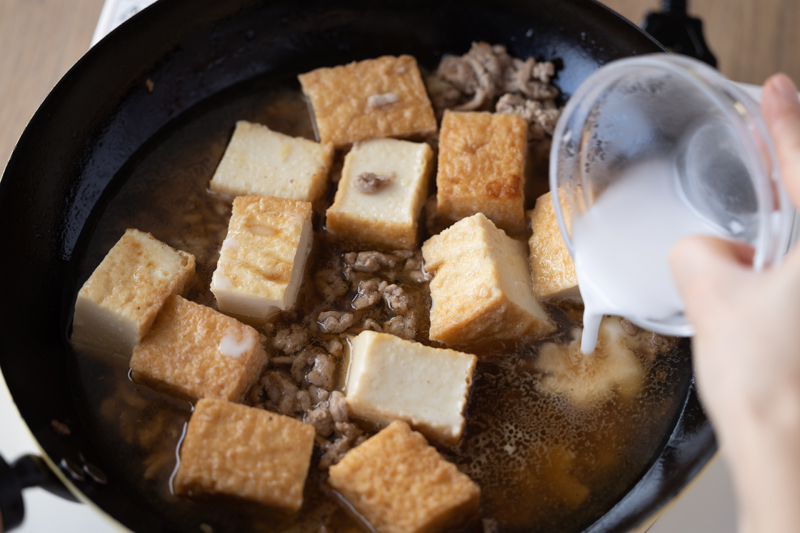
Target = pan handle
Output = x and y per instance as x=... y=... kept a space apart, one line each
x=27 y=471
x=678 y=31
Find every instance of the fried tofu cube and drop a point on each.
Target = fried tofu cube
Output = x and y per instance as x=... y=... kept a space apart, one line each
x=380 y=196
x=394 y=379
x=197 y=352
x=120 y=300
x=401 y=484
x=262 y=162
x=482 y=285
x=244 y=452
x=383 y=97
x=551 y=263
x=263 y=257
x=482 y=168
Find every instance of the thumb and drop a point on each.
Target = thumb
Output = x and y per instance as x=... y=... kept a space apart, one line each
x=781 y=110
x=706 y=271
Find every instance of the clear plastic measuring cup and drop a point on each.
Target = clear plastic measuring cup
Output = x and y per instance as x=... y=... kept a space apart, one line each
x=644 y=146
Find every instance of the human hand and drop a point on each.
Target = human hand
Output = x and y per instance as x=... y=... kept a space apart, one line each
x=747 y=344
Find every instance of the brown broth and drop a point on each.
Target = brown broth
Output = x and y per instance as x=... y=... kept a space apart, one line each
x=541 y=464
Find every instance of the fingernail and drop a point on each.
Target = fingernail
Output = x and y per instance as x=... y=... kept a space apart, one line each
x=784 y=85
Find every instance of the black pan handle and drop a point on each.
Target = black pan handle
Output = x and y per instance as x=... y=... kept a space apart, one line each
x=676 y=30
x=27 y=471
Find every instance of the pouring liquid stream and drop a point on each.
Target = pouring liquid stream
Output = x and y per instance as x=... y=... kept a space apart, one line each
x=621 y=247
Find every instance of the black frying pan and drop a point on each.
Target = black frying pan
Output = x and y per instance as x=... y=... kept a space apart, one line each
x=101 y=116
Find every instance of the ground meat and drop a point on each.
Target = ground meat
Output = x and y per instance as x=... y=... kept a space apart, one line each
x=369 y=183
x=380 y=100
x=541 y=117
x=323 y=371
x=413 y=263
x=338 y=407
x=334 y=347
x=530 y=78
x=347 y=430
x=369 y=261
x=480 y=73
x=628 y=327
x=335 y=321
x=443 y=94
x=334 y=452
x=280 y=391
x=419 y=277
x=369 y=293
x=318 y=394
x=292 y=339
x=397 y=299
x=371 y=325
x=321 y=419
x=313 y=365
x=404 y=327
x=330 y=285
x=486 y=72
x=303 y=401
x=302 y=363
x=254 y=394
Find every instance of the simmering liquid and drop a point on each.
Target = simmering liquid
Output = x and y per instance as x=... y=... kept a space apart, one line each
x=542 y=464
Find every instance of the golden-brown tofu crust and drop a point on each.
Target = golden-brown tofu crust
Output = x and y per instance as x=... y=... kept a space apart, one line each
x=481 y=287
x=345 y=113
x=245 y=452
x=130 y=282
x=482 y=168
x=184 y=352
x=268 y=232
x=401 y=484
x=552 y=268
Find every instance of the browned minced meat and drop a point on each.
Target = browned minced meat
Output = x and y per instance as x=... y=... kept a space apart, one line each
x=334 y=347
x=303 y=401
x=321 y=419
x=318 y=394
x=330 y=284
x=397 y=299
x=281 y=391
x=369 y=261
x=380 y=100
x=540 y=116
x=404 y=327
x=370 y=183
x=334 y=451
x=323 y=371
x=335 y=321
x=338 y=407
x=486 y=72
x=628 y=327
x=291 y=339
x=369 y=293
x=315 y=366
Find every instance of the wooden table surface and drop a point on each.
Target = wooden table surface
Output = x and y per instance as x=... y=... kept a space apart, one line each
x=41 y=39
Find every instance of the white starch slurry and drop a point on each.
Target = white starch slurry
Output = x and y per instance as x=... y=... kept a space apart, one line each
x=621 y=246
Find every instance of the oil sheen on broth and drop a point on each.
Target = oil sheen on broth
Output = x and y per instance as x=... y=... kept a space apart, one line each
x=541 y=463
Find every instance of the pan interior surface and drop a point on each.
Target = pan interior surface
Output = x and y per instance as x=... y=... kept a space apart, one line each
x=131 y=146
